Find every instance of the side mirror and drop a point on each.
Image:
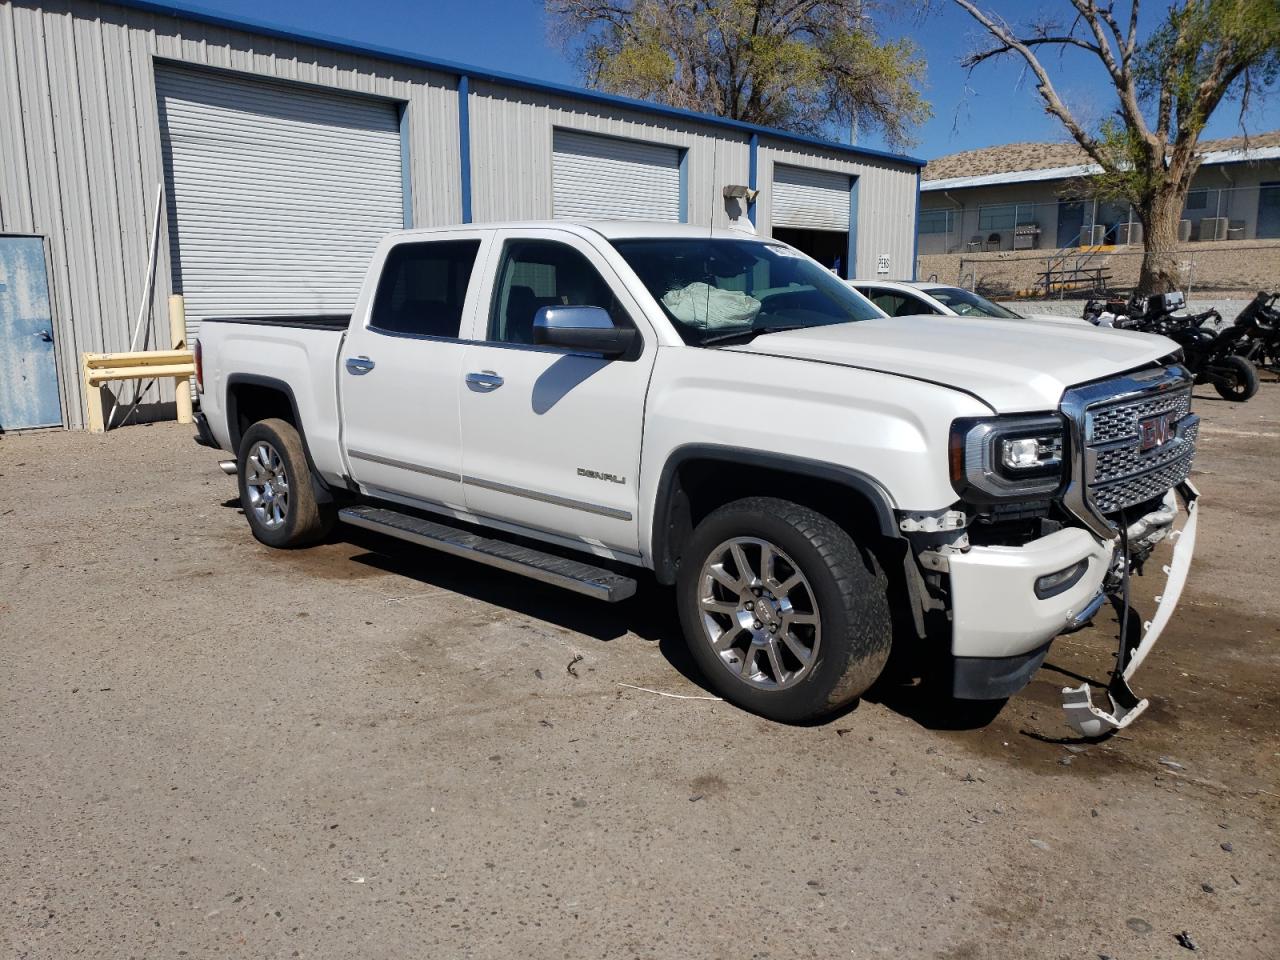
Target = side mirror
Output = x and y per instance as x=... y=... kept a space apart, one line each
x=581 y=328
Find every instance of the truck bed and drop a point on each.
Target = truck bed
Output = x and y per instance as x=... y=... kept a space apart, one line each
x=295 y=355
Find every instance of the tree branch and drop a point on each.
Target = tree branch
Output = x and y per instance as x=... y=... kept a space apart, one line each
x=1053 y=103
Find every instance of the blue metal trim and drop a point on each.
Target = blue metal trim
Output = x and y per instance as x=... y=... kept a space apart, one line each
x=753 y=162
x=200 y=15
x=852 y=268
x=684 y=186
x=406 y=172
x=464 y=142
x=915 y=245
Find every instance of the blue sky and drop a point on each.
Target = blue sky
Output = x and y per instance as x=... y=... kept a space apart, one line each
x=993 y=105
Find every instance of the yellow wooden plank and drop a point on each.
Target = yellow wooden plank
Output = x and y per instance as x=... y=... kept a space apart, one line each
x=141 y=372
x=140 y=358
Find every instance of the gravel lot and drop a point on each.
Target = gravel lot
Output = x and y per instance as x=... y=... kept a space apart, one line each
x=212 y=749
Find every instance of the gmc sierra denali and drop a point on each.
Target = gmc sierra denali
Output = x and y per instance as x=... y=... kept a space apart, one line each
x=577 y=402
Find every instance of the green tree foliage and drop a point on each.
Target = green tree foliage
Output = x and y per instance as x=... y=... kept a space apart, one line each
x=1167 y=81
x=803 y=65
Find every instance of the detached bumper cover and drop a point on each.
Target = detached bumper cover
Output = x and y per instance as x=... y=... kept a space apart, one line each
x=1126 y=707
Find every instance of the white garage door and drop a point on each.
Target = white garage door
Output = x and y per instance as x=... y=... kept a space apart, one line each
x=811 y=199
x=607 y=178
x=277 y=194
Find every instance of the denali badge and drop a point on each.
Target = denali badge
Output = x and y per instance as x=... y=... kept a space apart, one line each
x=597 y=475
x=1157 y=431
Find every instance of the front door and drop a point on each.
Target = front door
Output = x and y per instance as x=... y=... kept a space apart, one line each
x=1070 y=222
x=400 y=369
x=28 y=371
x=551 y=437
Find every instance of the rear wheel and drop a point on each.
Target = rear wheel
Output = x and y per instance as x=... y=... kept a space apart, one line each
x=275 y=487
x=1236 y=378
x=786 y=616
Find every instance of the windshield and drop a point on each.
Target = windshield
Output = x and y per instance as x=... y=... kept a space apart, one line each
x=713 y=289
x=968 y=304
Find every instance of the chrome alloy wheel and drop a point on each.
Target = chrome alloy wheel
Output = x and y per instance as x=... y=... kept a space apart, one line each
x=267 y=485
x=759 y=613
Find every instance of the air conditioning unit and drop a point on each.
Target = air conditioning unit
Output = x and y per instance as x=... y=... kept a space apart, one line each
x=1213 y=228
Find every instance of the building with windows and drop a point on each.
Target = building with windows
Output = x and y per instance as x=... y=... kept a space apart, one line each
x=277 y=159
x=1032 y=201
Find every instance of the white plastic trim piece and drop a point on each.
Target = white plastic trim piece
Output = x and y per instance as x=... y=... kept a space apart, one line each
x=1077 y=702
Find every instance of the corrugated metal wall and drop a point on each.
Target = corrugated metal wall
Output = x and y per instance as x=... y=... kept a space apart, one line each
x=80 y=153
x=511 y=132
x=886 y=203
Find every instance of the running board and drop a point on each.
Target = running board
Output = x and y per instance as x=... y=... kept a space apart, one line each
x=570 y=574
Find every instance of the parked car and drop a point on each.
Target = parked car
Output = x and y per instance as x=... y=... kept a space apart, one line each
x=588 y=403
x=901 y=299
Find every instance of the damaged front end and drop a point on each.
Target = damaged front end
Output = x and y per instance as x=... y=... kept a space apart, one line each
x=1137 y=639
x=1134 y=439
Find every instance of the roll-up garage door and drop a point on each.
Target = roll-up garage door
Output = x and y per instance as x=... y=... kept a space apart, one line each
x=608 y=178
x=810 y=199
x=277 y=194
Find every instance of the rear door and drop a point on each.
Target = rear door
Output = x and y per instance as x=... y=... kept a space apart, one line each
x=551 y=437
x=400 y=369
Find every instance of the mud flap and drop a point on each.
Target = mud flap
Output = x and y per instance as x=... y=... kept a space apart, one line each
x=1126 y=706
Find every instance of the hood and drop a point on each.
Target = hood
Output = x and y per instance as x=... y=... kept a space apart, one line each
x=1011 y=365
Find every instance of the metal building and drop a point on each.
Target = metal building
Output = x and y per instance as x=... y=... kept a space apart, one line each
x=283 y=157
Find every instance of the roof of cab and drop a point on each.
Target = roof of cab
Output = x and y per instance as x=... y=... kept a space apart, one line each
x=609 y=229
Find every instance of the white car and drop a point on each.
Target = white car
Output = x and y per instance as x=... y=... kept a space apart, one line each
x=582 y=402
x=897 y=298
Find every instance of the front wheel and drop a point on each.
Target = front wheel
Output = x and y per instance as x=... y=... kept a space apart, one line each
x=1235 y=378
x=784 y=613
x=275 y=487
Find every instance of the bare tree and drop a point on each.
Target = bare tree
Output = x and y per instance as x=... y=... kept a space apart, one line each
x=813 y=66
x=1167 y=83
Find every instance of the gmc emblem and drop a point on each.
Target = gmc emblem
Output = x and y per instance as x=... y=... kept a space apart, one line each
x=1157 y=431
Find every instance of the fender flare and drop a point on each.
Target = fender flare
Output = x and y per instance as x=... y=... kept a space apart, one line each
x=231 y=406
x=866 y=485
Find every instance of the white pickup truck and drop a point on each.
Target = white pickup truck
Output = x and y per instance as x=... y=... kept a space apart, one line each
x=581 y=402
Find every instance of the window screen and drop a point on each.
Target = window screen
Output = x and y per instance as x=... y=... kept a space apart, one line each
x=935 y=221
x=542 y=273
x=423 y=287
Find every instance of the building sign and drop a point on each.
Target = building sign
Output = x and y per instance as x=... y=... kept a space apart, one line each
x=882 y=263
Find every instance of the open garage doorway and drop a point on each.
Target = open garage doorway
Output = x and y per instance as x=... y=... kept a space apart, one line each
x=829 y=247
x=812 y=211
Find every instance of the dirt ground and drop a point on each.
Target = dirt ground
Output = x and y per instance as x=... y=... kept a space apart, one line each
x=211 y=749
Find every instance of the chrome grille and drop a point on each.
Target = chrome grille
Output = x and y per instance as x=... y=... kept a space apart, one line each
x=1124 y=459
x=1112 y=471
x=1108 y=497
x=1117 y=421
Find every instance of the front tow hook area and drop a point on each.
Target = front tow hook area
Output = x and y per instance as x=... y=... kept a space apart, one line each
x=1126 y=706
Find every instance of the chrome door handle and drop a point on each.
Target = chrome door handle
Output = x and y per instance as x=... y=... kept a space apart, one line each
x=485 y=380
x=359 y=365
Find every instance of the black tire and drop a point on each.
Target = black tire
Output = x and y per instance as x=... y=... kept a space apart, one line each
x=849 y=591
x=1242 y=377
x=302 y=520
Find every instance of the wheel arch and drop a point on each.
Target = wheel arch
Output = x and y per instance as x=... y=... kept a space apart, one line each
x=683 y=498
x=251 y=398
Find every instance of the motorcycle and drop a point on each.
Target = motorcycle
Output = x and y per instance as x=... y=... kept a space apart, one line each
x=1259 y=323
x=1211 y=354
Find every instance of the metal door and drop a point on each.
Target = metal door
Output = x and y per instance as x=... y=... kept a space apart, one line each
x=28 y=372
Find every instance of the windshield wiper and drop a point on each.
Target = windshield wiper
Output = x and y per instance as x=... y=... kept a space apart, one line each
x=749 y=335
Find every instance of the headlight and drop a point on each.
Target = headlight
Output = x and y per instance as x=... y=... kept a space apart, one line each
x=1008 y=458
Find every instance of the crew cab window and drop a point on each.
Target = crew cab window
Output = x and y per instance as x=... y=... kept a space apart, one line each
x=423 y=287
x=544 y=273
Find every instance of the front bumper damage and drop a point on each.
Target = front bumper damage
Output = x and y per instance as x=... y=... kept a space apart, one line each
x=1077 y=702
